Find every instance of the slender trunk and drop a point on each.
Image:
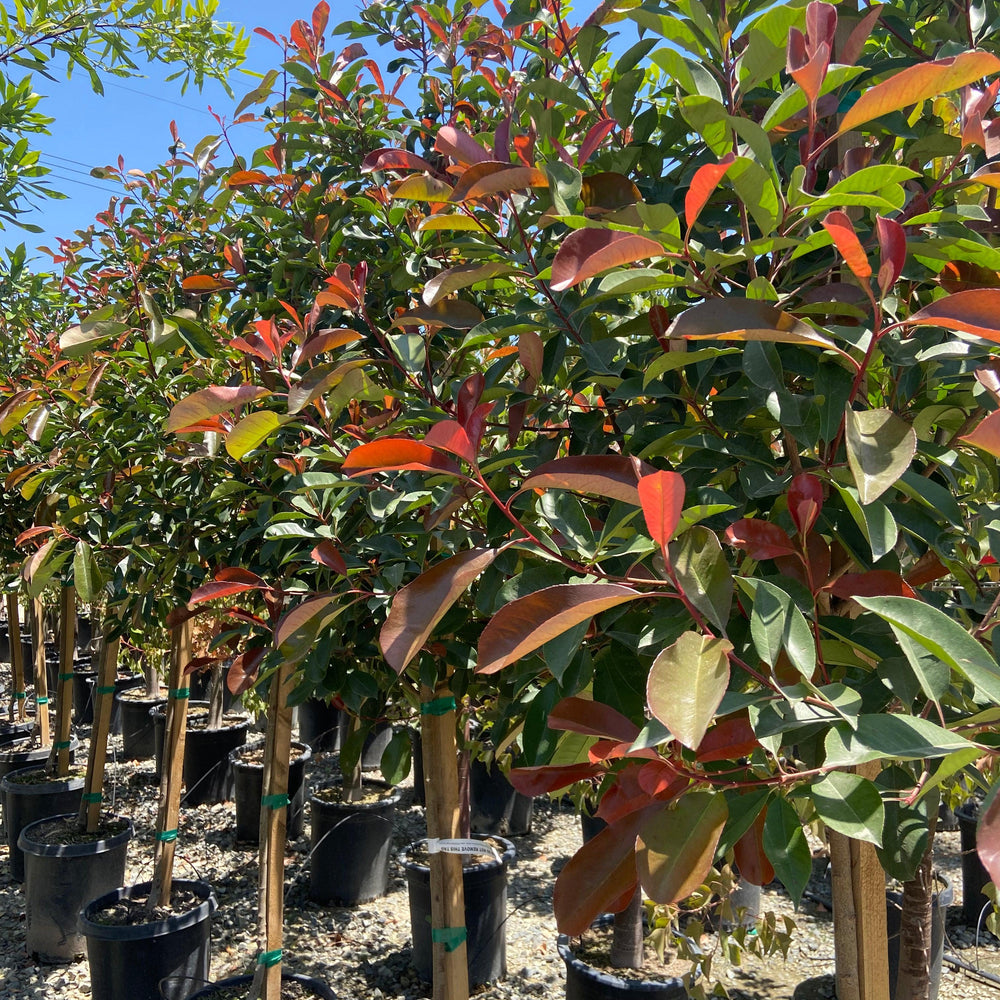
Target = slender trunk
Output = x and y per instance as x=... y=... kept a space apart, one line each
x=350 y=762
x=626 y=944
x=151 y=675
x=465 y=791
x=216 y=692
x=16 y=657
x=913 y=981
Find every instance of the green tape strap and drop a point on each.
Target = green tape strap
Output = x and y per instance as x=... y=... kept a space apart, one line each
x=42 y=701
x=167 y=836
x=439 y=706
x=92 y=797
x=106 y=689
x=275 y=801
x=450 y=937
x=62 y=745
x=20 y=695
x=66 y=677
x=269 y=958
x=179 y=694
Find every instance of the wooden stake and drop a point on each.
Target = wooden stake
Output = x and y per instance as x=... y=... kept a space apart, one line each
x=273 y=822
x=860 y=937
x=64 y=689
x=16 y=656
x=104 y=693
x=172 y=771
x=41 y=678
x=437 y=733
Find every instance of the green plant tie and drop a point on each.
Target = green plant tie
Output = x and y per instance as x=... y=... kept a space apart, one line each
x=62 y=745
x=439 y=706
x=275 y=801
x=92 y=796
x=450 y=937
x=20 y=695
x=66 y=677
x=269 y=958
x=107 y=689
x=179 y=693
x=166 y=836
x=42 y=701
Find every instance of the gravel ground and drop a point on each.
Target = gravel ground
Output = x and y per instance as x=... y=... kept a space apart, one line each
x=364 y=953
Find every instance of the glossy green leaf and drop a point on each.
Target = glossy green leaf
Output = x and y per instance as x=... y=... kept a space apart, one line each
x=318 y=381
x=703 y=573
x=251 y=432
x=880 y=448
x=906 y=830
x=686 y=684
x=776 y=624
x=850 y=805
x=874 y=519
x=901 y=737
x=786 y=848
x=463 y=276
x=78 y=341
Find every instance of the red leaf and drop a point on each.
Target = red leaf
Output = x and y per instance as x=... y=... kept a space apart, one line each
x=202 y=284
x=874 y=583
x=243 y=670
x=421 y=604
x=660 y=781
x=838 y=224
x=524 y=625
x=460 y=146
x=593 y=139
x=729 y=739
x=327 y=340
x=326 y=554
x=396 y=454
x=625 y=796
x=199 y=662
x=807 y=64
x=482 y=180
x=610 y=476
x=805 y=501
x=892 y=243
x=587 y=252
x=821 y=23
x=704 y=182
x=976 y=311
x=209 y=402
x=532 y=781
x=42 y=529
x=244 y=178
x=214 y=590
x=394 y=159
x=759 y=539
x=592 y=718
x=986 y=434
x=236 y=574
x=752 y=862
x=927 y=569
x=662 y=496
x=449 y=435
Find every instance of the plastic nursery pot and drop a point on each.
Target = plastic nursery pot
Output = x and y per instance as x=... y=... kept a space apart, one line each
x=131 y=961
x=158 y=713
x=121 y=684
x=11 y=732
x=27 y=799
x=586 y=982
x=24 y=752
x=208 y=774
x=975 y=903
x=894 y=911
x=137 y=724
x=62 y=872
x=83 y=695
x=497 y=807
x=484 y=879
x=249 y=787
x=235 y=988
x=351 y=844
x=376 y=740
x=319 y=724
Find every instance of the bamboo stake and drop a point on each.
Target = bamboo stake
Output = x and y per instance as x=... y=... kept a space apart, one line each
x=41 y=678
x=16 y=655
x=273 y=822
x=104 y=692
x=172 y=775
x=64 y=689
x=437 y=732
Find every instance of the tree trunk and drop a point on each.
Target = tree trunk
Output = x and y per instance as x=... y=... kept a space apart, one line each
x=913 y=981
x=351 y=772
x=626 y=945
x=216 y=694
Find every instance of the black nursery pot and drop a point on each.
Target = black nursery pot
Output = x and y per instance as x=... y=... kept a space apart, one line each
x=894 y=912
x=22 y=753
x=24 y=803
x=11 y=732
x=485 y=886
x=59 y=880
x=130 y=962
x=249 y=787
x=351 y=843
x=319 y=725
x=158 y=713
x=83 y=696
x=585 y=982
x=376 y=740
x=236 y=987
x=974 y=874
x=121 y=684
x=137 y=725
x=497 y=807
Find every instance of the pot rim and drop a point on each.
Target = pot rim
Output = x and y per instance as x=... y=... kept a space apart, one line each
x=40 y=788
x=38 y=849
x=207 y=905
x=208 y=990
x=509 y=852
x=236 y=756
x=388 y=801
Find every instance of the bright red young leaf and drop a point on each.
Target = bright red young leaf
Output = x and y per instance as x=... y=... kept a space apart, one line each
x=662 y=498
x=838 y=224
x=202 y=284
x=759 y=539
x=243 y=670
x=729 y=739
x=587 y=252
x=749 y=853
x=873 y=583
x=805 y=501
x=593 y=139
x=450 y=436
x=216 y=589
x=892 y=243
x=247 y=178
x=327 y=554
x=592 y=718
x=610 y=476
x=706 y=179
x=541 y=780
x=423 y=602
x=660 y=781
x=625 y=795
x=42 y=529
x=396 y=454
x=394 y=159
x=521 y=627
x=807 y=64
x=489 y=178
x=468 y=397
x=927 y=569
x=976 y=311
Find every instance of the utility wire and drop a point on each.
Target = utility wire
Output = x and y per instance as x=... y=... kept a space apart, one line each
x=156 y=97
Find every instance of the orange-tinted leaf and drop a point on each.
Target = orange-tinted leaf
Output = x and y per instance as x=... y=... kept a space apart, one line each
x=42 y=529
x=326 y=554
x=838 y=224
x=393 y=455
x=744 y=319
x=210 y=402
x=587 y=252
x=526 y=624
x=421 y=604
x=759 y=539
x=808 y=71
x=450 y=435
x=202 y=284
x=626 y=795
x=592 y=718
x=805 y=501
x=660 y=781
x=492 y=177
x=874 y=583
x=220 y=588
x=547 y=778
x=298 y=629
x=610 y=476
x=247 y=178
x=927 y=569
x=892 y=243
x=976 y=311
x=608 y=191
x=750 y=858
x=456 y=313
x=706 y=179
x=729 y=739
x=327 y=340
x=662 y=498
x=986 y=434
x=918 y=83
